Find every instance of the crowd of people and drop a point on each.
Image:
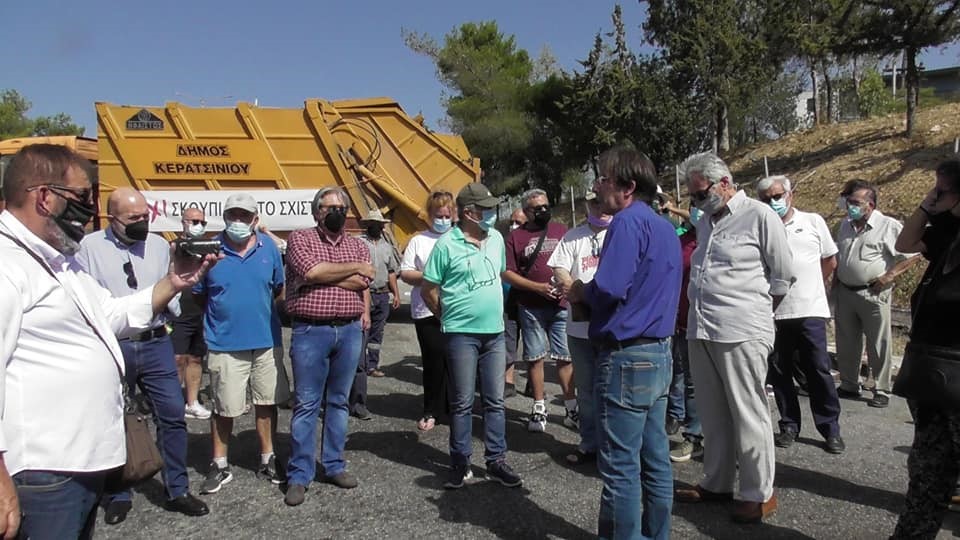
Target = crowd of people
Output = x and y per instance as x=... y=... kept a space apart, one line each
x=658 y=319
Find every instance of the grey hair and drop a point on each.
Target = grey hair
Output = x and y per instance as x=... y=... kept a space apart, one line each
x=707 y=164
x=530 y=194
x=769 y=181
x=315 y=207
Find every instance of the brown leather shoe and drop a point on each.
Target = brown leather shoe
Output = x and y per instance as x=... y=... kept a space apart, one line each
x=754 y=512
x=697 y=494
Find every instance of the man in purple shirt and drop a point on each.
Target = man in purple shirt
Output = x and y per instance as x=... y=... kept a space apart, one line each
x=633 y=299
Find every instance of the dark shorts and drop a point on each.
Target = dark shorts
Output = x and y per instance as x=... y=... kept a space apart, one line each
x=188 y=338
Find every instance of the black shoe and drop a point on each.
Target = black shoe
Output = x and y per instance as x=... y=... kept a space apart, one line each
x=188 y=505
x=343 y=480
x=295 y=495
x=361 y=412
x=501 y=472
x=835 y=445
x=509 y=390
x=116 y=512
x=847 y=394
x=271 y=471
x=457 y=476
x=672 y=425
x=879 y=401
x=216 y=478
x=785 y=438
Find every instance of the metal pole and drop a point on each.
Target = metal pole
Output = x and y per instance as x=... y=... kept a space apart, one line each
x=766 y=168
x=956 y=145
x=573 y=208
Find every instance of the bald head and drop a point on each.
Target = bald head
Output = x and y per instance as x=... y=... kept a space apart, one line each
x=126 y=200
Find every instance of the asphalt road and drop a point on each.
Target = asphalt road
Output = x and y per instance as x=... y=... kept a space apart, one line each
x=856 y=495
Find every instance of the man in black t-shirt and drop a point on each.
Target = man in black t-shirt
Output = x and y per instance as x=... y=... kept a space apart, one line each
x=189 y=345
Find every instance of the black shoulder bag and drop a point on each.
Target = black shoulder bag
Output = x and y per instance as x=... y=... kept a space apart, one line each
x=510 y=305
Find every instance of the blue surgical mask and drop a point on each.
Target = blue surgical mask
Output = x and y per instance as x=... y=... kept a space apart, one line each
x=695 y=215
x=489 y=219
x=196 y=231
x=779 y=206
x=238 y=231
x=442 y=225
x=854 y=212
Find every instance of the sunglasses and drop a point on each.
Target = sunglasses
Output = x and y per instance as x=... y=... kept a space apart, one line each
x=541 y=208
x=702 y=195
x=196 y=222
x=131 y=277
x=83 y=194
x=776 y=197
x=335 y=209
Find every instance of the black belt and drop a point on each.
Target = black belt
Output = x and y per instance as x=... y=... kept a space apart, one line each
x=854 y=288
x=323 y=322
x=623 y=344
x=382 y=290
x=153 y=333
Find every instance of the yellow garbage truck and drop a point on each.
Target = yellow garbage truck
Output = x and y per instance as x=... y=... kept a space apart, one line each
x=182 y=157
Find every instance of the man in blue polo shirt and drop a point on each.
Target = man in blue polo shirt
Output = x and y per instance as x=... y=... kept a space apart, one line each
x=243 y=334
x=633 y=299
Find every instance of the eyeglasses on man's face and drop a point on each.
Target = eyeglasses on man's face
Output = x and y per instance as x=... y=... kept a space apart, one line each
x=700 y=196
x=196 y=222
x=772 y=197
x=80 y=194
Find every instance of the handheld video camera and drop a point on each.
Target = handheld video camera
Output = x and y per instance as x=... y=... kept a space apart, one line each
x=196 y=248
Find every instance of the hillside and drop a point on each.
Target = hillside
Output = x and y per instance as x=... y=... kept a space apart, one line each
x=821 y=160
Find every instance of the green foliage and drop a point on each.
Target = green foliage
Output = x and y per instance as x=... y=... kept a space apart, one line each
x=14 y=121
x=768 y=112
x=875 y=97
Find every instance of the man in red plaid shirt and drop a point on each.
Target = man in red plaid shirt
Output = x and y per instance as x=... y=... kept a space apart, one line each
x=328 y=299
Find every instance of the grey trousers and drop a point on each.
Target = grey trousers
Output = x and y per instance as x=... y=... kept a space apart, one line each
x=862 y=314
x=737 y=429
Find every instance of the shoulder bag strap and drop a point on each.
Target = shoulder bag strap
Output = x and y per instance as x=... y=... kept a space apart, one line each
x=533 y=256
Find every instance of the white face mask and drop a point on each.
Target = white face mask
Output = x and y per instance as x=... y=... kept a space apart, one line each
x=514 y=226
x=194 y=231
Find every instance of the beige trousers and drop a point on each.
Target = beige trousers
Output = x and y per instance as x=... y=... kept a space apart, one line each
x=859 y=314
x=737 y=429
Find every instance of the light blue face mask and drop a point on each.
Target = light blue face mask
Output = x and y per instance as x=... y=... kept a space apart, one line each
x=854 y=212
x=488 y=220
x=238 y=231
x=779 y=206
x=442 y=225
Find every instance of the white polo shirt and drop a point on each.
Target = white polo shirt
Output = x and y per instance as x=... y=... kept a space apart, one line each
x=810 y=241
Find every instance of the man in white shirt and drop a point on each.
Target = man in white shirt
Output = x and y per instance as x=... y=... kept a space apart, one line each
x=739 y=273
x=57 y=338
x=577 y=257
x=868 y=264
x=801 y=321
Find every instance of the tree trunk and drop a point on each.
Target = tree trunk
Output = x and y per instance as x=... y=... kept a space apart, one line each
x=857 y=77
x=722 y=141
x=828 y=86
x=913 y=88
x=816 y=93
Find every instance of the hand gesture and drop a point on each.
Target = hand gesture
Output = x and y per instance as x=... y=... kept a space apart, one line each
x=185 y=272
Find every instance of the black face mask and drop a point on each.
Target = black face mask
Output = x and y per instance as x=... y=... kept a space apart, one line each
x=375 y=230
x=334 y=220
x=137 y=231
x=541 y=217
x=74 y=217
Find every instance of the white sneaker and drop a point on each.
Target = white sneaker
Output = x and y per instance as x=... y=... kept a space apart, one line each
x=196 y=411
x=538 y=419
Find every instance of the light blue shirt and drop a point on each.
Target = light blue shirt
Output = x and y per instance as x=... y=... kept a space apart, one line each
x=103 y=256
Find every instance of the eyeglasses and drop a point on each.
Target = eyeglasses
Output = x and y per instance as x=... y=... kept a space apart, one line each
x=131 y=277
x=769 y=198
x=702 y=195
x=541 y=208
x=196 y=222
x=84 y=194
x=335 y=208
x=489 y=273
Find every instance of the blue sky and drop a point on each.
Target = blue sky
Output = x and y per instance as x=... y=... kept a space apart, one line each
x=65 y=56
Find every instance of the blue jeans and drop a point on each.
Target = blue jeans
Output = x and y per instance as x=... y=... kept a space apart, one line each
x=584 y=354
x=466 y=355
x=634 y=463
x=324 y=359
x=540 y=327
x=682 y=403
x=150 y=365
x=56 y=505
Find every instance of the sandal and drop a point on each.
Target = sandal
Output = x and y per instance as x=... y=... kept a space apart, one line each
x=426 y=423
